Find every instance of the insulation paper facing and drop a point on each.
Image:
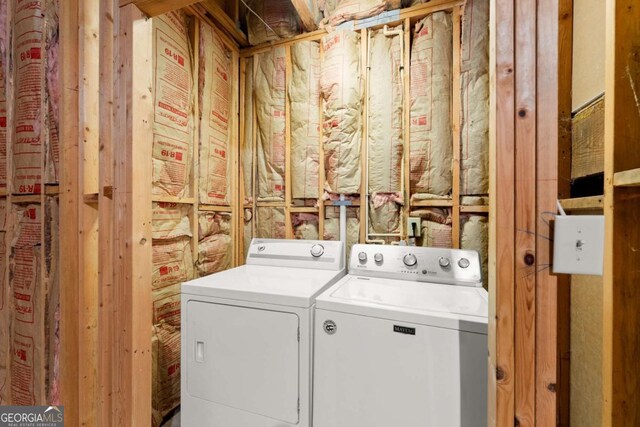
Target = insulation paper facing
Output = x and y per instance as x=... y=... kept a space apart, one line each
x=215 y=90
x=280 y=16
x=304 y=98
x=173 y=106
x=430 y=88
x=269 y=97
x=474 y=79
x=341 y=89
x=338 y=11
x=385 y=117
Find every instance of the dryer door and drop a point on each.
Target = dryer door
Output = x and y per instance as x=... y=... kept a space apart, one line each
x=245 y=358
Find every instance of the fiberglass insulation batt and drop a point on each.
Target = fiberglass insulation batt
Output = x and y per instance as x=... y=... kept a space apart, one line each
x=336 y=12
x=215 y=246
x=385 y=113
x=215 y=90
x=474 y=79
x=173 y=93
x=341 y=90
x=269 y=105
x=430 y=127
x=172 y=265
x=280 y=16
x=304 y=98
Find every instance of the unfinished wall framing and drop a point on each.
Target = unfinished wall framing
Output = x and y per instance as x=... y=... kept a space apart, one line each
x=107 y=185
x=29 y=174
x=338 y=127
x=194 y=183
x=156 y=197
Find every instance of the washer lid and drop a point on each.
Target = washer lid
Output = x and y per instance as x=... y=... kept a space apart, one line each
x=287 y=286
x=454 y=307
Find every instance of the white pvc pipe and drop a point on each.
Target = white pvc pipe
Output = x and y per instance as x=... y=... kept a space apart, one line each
x=343 y=226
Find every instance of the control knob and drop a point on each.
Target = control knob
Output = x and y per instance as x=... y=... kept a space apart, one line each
x=378 y=257
x=410 y=260
x=463 y=263
x=362 y=256
x=444 y=262
x=317 y=250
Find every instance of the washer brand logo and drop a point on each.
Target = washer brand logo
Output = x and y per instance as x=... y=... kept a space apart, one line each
x=404 y=330
x=31 y=416
x=330 y=327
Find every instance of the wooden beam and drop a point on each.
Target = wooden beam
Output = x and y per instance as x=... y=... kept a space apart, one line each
x=364 y=187
x=628 y=178
x=550 y=161
x=502 y=226
x=158 y=7
x=583 y=203
x=70 y=202
x=89 y=95
x=565 y=71
x=304 y=9
x=456 y=101
x=132 y=207
x=288 y=226
x=411 y=13
x=525 y=212
x=621 y=294
x=220 y=17
x=406 y=135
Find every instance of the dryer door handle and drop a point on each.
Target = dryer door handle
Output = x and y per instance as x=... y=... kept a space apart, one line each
x=199 y=352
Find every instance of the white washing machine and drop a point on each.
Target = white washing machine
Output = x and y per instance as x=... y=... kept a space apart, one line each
x=401 y=341
x=247 y=336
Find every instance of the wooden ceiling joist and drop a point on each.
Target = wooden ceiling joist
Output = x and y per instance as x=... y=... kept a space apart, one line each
x=158 y=7
x=305 y=12
x=220 y=17
x=211 y=8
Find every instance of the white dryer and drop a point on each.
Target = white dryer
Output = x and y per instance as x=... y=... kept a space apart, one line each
x=401 y=341
x=247 y=336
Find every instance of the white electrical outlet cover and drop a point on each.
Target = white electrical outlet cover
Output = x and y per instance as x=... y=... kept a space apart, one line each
x=578 y=244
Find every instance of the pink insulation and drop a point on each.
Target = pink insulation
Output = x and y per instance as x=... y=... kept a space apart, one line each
x=52 y=43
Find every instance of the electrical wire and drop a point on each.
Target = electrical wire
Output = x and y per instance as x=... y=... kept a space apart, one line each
x=260 y=18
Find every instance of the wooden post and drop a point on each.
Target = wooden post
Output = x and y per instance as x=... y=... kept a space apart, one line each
x=321 y=164
x=70 y=202
x=287 y=142
x=550 y=163
x=525 y=211
x=364 y=188
x=456 y=110
x=132 y=234
x=502 y=225
x=407 y=126
x=621 y=296
x=106 y=312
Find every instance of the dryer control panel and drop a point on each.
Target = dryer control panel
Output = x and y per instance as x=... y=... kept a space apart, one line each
x=435 y=265
x=317 y=254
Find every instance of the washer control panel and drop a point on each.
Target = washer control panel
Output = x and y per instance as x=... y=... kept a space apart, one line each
x=436 y=265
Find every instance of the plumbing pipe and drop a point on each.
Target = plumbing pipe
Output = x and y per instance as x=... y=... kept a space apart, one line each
x=343 y=226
